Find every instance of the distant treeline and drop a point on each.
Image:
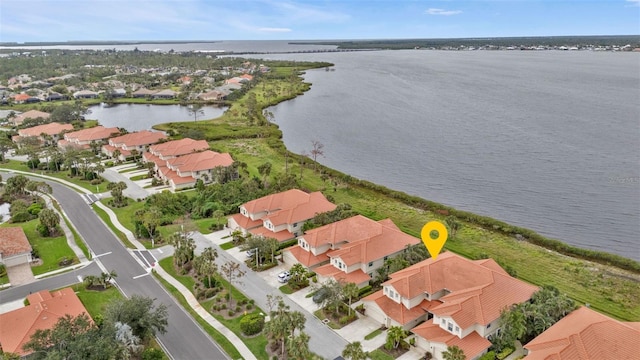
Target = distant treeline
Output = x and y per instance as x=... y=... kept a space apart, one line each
x=392 y=44
x=96 y=42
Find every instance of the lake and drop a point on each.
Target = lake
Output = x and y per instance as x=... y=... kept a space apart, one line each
x=544 y=140
x=134 y=117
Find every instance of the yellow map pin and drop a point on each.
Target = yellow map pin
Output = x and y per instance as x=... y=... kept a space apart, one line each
x=434 y=245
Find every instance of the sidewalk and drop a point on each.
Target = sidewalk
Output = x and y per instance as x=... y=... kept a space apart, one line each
x=191 y=300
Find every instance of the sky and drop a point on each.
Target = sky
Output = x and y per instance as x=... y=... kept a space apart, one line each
x=76 y=20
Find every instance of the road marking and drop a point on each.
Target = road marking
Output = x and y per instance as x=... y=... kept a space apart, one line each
x=160 y=251
x=139 y=276
x=103 y=254
x=79 y=278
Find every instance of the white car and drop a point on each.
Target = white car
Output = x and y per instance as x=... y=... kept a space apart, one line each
x=284 y=276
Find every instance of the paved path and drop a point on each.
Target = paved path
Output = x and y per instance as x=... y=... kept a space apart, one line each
x=133 y=190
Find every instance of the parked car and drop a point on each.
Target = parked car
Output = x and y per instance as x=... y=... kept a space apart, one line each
x=251 y=253
x=284 y=276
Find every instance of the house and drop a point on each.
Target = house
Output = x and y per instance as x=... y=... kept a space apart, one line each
x=85 y=94
x=14 y=247
x=117 y=93
x=350 y=250
x=586 y=334
x=31 y=114
x=165 y=94
x=185 y=171
x=45 y=133
x=160 y=153
x=83 y=138
x=212 y=95
x=54 y=96
x=21 y=98
x=43 y=312
x=448 y=301
x=280 y=216
x=137 y=141
x=142 y=93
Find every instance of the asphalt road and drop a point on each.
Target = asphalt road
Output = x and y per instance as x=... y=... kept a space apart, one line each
x=184 y=338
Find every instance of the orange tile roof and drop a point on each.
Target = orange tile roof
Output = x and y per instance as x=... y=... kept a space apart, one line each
x=586 y=334
x=357 y=276
x=173 y=176
x=111 y=149
x=144 y=137
x=305 y=257
x=280 y=235
x=348 y=230
x=42 y=313
x=388 y=242
x=31 y=114
x=477 y=292
x=200 y=161
x=149 y=157
x=22 y=97
x=179 y=147
x=13 y=241
x=245 y=222
x=274 y=202
x=397 y=311
x=316 y=204
x=472 y=345
x=53 y=128
x=92 y=134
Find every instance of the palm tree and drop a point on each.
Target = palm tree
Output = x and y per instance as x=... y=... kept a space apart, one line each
x=395 y=334
x=299 y=347
x=350 y=291
x=354 y=351
x=453 y=353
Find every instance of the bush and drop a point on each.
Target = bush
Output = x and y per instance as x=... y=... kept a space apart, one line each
x=214 y=283
x=43 y=230
x=238 y=308
x=344 y=320
x=209 y=293
x=22 y=216
x=96 y=181
x=65 y=261
x=491 y=355
x=34 y=209
x=231 y=313
x=249 y=307
x=152 y=354
x=252 y=324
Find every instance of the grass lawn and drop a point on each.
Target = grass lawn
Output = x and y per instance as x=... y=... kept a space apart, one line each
x=379 y=355
x=320 y=315
x=226 y=345
x=286 y=289
x=373 y=334
x=139 y=177
x=50 y=250
x=105 y=218
x=76 y=237
x=228 y=245
x=96 y=301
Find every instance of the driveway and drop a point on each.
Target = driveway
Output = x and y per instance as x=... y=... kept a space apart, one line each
x=20 y=274
x=133 y=190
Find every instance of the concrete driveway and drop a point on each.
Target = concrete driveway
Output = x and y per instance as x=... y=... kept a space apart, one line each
x=20 y=274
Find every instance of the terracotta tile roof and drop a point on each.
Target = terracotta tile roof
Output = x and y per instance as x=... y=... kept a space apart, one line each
x=111 y=149
x=178 y=147
x=357 y=277
x=22 y=97
x=245 y=222
x=31 y=114
x=144 y=137
x=305 y=257
x=274 y=202
x=316 y=204
x=351 y=229
x=397 y=311
x=53 y=128
x=472 y=345
x=200 y=161
x=280 y=235
x=477 y=292
x=173 y=176
x=586 y=334
x=149 y=157
x=92 y=134
x=13 y=241
x=42 y=313
x=388 y=242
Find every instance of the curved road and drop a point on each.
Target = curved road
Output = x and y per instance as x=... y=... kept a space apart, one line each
x=184 y=339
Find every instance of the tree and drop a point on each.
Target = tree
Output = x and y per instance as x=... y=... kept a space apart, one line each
x=116 y=192
x=453 y=353
x=16 y=185
x=124 y=335
x=265 y=170
x=106 y=278
x=268 y=116
x=395 y=335
x=140 y=313
x=196 y=110
x=207 y=264
x=5 y=145
x=232 y=272
x=350 y=291
x=50 y=220
x=316 y=150
x=151 y=219
x=74 y=338
x=298 y=276
x=39 y=187
x=354 y=351
x=333 y=295
x=184 y=247
x=298 y=346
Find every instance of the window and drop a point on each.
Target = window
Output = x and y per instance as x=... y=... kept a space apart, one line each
x=457 y=329
x=295 y=224
x=386 y=257
x=370 y=263
x=450 y=326
x=444 y=322
x=488 y=325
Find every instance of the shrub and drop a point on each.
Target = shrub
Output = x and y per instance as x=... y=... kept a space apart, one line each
x=231 y=313
x=252 y=324
x=152 y=354
x=249 y=307
x=238 y=308
x=210 y=293
x=43 y=230
x=491 y=355
x=223 y=306
x=96 y=181
x=22 y=216
x=214 y=283
x=34 y=209
x=65 y=261
x=344 y=320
